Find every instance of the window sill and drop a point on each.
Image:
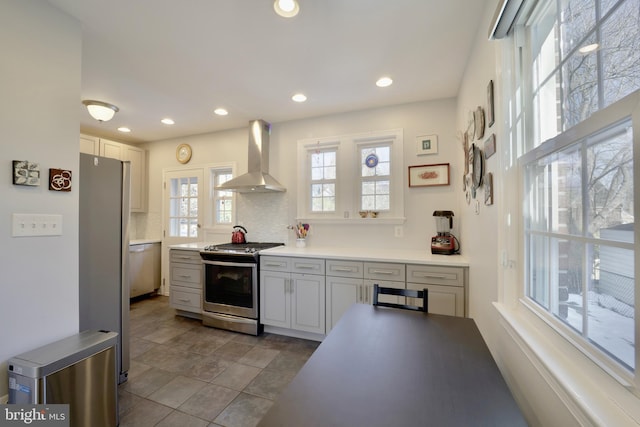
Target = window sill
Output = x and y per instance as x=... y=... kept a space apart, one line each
x=354 y=221
x=591 y=395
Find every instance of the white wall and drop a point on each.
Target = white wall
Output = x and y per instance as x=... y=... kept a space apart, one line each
x=39 y=118
x=278 y=210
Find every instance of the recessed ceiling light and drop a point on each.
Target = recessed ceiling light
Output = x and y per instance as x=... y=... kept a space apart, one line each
x=384 y=82
x=124 y=129
x=168 y=121
x=589 y=48
x=299 y=97
x=220 y=112
x=286 y=8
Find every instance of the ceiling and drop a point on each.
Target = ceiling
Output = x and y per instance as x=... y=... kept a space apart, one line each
x=182 y=59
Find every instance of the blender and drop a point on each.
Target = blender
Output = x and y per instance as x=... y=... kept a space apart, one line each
x=444 y=243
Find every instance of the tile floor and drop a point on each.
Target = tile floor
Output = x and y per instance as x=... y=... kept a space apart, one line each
x=185 y=374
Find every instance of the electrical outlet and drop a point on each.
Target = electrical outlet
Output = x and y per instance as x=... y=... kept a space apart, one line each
x=398 y=231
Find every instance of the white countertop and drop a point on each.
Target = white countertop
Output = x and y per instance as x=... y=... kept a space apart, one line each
x=407 y=256
x=144 y=241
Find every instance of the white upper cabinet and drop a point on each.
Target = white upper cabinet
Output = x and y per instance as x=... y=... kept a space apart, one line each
x=116 y=150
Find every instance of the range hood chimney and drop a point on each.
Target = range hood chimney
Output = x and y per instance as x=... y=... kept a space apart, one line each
x=257 y=179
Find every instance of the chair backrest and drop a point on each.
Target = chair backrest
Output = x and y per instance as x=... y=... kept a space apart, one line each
x=423 y=294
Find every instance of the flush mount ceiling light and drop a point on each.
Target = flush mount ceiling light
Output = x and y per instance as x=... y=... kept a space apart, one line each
x=101 y=111
x=124 y=129
x=286 y=8
x=299 y=97
x=168 y=121
x=384 y=82
x=220 y=112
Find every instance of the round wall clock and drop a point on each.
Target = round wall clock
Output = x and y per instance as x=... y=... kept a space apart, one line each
x=183 y=153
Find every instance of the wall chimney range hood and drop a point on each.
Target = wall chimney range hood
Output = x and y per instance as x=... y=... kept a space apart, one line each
x=257 y=179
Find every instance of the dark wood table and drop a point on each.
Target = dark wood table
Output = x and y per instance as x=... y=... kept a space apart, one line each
x=389 y=367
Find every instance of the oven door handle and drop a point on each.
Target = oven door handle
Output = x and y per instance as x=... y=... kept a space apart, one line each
x=231 y=264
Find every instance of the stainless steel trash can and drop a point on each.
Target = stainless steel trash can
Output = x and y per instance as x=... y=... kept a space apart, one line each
x=79 y=370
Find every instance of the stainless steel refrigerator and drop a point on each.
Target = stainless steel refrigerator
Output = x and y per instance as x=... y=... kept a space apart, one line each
x=104 y=250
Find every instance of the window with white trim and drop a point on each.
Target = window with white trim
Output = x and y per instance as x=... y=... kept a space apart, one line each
x=323 y=180
x=340 y=176
x=222 y=200
x=573 y=61
x=375 y=176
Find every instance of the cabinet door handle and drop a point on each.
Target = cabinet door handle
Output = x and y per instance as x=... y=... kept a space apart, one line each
x=186 y=276
x=274 y=264
x=388 y=272
x=184 y=299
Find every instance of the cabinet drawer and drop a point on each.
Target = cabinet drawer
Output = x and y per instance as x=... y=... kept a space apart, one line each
x=275 y=263
x=384 y=271
x=448 y=276
x=307 y=265
x=345 y=268
x=185 y=257
x=187 y=299
x=187 y=275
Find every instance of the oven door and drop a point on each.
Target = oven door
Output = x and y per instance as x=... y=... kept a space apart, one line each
x=231 y=288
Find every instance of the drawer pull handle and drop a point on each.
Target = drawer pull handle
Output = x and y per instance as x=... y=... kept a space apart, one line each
x=271 y=264
x=349 y=269
x=186 y=276
x=389 y=272
x=307 y=266
x=184 y=299
x=183 y=257
x=432 y=276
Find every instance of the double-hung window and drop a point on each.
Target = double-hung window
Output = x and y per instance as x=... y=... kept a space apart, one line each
x=344 y=175
x=573 y=118
x=222 y=200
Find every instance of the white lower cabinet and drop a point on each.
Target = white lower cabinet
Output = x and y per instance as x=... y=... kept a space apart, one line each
x=445 y=285
x=294 y=289
x=185 y=282
x=289 y=299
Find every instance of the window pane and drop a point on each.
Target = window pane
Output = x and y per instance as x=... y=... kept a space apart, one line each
x=578 y=17
x=538 y=274
x=621 y=52
x=566 y=281
x=317 y=174
x=580 y=87
x=329 y=158
x=383 y=169
x=610 y=186
x=382 y=203
x=328 y=190
x=329 y=204
x=368 y=203
x=330 y=172
x=316 y=204
x=554 y=193
x=611 y=302
x=193 y=228
x=382 y=187
x=316 y=190
x=368 y=187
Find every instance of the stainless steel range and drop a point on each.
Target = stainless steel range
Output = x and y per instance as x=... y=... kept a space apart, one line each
x=231 y=286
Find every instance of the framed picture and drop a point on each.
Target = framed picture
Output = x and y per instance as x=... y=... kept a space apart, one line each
x=490 y=146
x=490 y=112
x=426 y=144
x=26 y=173
x=429 y=175
x=59 y=180
x=488 y=189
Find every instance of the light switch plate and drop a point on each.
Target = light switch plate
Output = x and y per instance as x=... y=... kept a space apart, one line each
x=28 y=225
